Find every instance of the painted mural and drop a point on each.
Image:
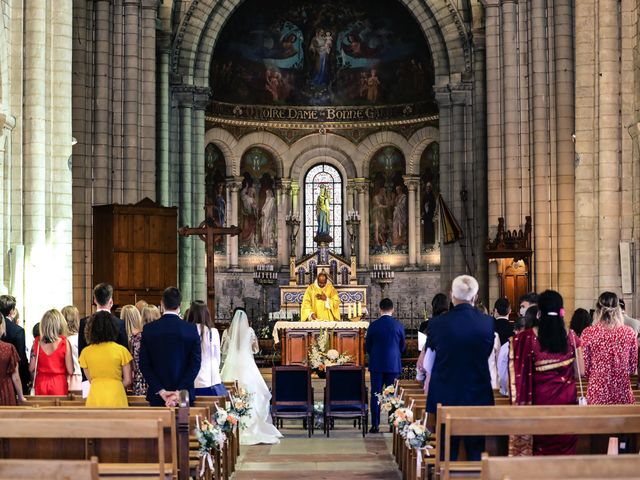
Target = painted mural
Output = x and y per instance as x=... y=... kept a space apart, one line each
x=258 y=213
x=388 y=205
x=307 y=52
x=429 y=190
x=216 y=189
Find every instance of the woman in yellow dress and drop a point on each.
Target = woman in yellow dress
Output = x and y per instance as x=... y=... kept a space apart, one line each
x=106 y=364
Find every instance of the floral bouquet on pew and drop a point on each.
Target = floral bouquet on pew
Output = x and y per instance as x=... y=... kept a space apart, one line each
x=240 y=406
x=389 y=401
x=418 y=436
x=224 y=420
x=401 y=418
x=210 y=437
x=318 y=414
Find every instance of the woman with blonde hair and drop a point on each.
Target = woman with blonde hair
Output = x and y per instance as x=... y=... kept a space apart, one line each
x=150 y=313
x=610 y=354
x=51 y=356
x=133 y=323
x=72 y=316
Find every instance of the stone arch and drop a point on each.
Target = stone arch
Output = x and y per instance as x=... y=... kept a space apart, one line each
x=266 y=140
x=375 y=142
x=330 y=141
x=202 y=21
x=337 y=158
x=418 y=142
x=227 y=145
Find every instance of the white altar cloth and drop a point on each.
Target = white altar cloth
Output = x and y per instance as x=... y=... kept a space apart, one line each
x=318 y=325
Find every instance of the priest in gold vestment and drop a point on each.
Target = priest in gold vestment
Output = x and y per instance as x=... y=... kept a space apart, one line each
x=320 y=302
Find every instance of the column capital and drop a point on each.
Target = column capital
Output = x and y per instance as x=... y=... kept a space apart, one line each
x=411 y=181
x=295 y=187
x=284 y=184
x=234 y=184
x=460 y=93
x=191 y=96
x=361 y=185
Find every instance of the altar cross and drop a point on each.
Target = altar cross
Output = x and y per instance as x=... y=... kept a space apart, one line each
x=207 y=231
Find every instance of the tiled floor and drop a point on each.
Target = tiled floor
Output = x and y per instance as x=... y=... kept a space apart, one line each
x=346 y=455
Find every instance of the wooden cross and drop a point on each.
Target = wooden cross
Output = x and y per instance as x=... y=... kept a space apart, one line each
x=207 y=231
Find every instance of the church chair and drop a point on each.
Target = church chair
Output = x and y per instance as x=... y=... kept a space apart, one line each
x=292 y=395
x=345 y=396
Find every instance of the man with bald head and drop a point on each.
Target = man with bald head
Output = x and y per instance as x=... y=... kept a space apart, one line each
x=320 y=301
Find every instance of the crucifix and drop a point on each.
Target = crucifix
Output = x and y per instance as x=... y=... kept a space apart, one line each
x=207 y=231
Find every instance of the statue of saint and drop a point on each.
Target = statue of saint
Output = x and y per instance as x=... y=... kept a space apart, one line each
x=322 y=212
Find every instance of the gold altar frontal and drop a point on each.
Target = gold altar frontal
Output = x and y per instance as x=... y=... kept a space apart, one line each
x=296 y=339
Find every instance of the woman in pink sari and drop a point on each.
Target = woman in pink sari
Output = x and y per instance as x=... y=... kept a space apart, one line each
x=541 y=369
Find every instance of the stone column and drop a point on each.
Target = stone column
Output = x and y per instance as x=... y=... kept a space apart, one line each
x=542 y=168
x=198 y=196
x=295 y=202
x=412 y=183
x=185 y=211
x=35 y=154
x=284 y=207
x=351 y=193
x=361 y=187
x=443 y=98
x=131 y=101
x=511 y=116
x=59 y=198
x=565 y=153
x=148 y=83
x=234 y=186
x=608 y=121
x=102 y=140
x=162 y=165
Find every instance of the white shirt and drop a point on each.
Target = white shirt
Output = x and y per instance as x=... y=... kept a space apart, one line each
x=503 y=368
x=209 y=374
x=73 y=340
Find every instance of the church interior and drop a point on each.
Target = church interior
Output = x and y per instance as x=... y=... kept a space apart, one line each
x=248 y=152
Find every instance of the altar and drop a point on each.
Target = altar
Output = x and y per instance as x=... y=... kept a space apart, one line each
x=296 y=339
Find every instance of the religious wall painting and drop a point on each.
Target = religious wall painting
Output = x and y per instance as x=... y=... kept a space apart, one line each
x=323 y=210
x=216 y=189
x=429 y=190
x=307 y=52
x=388 y=203
x=258 y=211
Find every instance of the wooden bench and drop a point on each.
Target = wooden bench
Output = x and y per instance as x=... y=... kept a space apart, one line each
x=530 y=420
x=49 y=469
x=576 y=467
x=90 y=429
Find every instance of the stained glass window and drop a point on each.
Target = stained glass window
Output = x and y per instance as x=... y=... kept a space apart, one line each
x=323 y=175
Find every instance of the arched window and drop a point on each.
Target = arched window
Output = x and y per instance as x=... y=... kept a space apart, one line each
x=325 y=175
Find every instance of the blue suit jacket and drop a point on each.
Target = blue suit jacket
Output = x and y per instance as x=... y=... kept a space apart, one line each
x=462 y=340
x=385 y=343
x=169 y=356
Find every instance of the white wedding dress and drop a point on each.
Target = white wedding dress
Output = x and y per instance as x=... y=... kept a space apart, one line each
x=239 y=365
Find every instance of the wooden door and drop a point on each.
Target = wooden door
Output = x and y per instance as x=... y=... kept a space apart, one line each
x=515 y=282
x=348 y=341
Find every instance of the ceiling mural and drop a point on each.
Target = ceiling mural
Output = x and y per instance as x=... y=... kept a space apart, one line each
x=305 y=52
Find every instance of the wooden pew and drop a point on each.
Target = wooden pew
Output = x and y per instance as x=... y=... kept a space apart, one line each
x=49 y=469
x=533 y=420
x=92 y=429
x=576 y=467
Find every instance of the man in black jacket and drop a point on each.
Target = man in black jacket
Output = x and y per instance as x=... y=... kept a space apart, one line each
x=15 y=336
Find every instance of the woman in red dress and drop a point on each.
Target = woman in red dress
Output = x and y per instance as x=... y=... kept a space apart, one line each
x=51 y=356
x=610 y=354
x=542 y=369
x=9 y=377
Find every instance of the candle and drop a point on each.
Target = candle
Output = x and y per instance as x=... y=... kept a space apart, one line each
x=349 y=312
x=359 y=307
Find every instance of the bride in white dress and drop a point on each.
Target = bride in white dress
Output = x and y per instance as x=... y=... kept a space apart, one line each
x=239 y=343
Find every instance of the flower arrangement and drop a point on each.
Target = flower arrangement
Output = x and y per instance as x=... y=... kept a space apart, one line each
x=417 y=436
x=240 y=406
x=210 y=437
x=401 y=418
x=224 y=420
x=321 y=357
x=388 y=400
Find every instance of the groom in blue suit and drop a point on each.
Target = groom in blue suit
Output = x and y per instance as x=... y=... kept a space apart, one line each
x=384 y=344
x=169 y=353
